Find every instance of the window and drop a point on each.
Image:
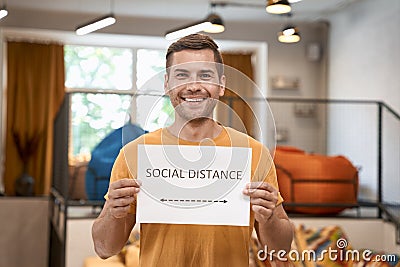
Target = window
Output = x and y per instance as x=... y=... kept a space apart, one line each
x=153 y=111
x=97 y=68
x=102 y=81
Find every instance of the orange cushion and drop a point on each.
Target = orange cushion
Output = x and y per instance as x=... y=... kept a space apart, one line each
x=311 y=178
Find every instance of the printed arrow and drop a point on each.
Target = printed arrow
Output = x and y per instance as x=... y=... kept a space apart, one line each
x=194 y=200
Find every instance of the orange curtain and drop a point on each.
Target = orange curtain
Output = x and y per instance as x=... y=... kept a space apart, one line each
x=238 y=90
x=35 y=91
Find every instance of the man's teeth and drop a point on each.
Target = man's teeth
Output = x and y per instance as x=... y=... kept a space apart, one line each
x=194 y=99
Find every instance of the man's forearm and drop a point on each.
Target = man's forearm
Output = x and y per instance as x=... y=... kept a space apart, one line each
x=276 y=233
x=110 y=234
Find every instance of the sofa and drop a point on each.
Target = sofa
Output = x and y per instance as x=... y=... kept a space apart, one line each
x=323 y=184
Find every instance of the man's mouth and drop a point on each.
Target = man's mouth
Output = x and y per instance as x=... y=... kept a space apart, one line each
x=194 y=99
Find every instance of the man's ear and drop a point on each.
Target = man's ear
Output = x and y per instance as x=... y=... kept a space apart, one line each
x=222 y=82
x=166 y=86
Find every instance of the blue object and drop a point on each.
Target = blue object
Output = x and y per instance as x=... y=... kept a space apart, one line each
x=103 y=157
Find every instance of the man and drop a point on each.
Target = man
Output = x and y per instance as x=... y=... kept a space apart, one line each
x=194 y=92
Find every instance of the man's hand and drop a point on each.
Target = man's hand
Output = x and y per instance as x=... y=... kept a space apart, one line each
x=273 y=227
x=111 y=229
x=121 y=194
x=263 y=198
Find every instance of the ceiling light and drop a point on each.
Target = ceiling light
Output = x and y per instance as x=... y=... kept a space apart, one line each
x=96 y=24
x=217 y=25
x=288 y=31
x=186 y=30
x=289 y=34
x=278 y=6
x=3 y=12
x=212 y=24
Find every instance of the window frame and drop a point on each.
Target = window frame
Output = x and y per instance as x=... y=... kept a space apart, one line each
x=72 y=90
x=114 y=41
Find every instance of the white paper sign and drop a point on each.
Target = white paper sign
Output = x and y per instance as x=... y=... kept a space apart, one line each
x=193 y=185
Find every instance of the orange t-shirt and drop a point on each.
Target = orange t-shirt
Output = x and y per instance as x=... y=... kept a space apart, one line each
x=185 y=245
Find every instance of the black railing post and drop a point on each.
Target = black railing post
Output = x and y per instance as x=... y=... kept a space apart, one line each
x=379 y=159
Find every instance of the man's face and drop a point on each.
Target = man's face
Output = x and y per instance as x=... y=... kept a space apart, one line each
x=193 y=84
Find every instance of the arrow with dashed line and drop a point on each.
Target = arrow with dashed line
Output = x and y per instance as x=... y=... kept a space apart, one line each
x=193 y=200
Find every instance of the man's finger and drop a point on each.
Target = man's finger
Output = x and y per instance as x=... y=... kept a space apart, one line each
x=126 y=182
x=262 y=210
x=123 y=202
x=260 y=185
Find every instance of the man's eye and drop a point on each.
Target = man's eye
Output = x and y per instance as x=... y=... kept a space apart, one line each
x=205 y=76
x=182 y=75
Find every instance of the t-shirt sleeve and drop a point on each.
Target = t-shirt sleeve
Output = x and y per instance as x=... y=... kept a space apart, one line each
x=268 y=171
x=119 y=171
x=271 y=178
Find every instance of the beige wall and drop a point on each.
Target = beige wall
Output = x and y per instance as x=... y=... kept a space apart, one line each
x=364 y=64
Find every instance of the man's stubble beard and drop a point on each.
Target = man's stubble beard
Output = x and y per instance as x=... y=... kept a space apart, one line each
x=190 y=116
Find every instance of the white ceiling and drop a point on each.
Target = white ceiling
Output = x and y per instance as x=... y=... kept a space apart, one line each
x=306 y=10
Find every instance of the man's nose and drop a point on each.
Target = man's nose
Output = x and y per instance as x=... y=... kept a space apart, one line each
x=193 y=85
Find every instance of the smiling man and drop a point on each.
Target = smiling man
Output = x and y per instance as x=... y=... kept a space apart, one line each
x=194 y=82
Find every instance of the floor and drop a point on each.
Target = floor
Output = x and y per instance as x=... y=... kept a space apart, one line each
x=357 y=224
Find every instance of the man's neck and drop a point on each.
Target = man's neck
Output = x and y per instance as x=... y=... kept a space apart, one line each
x=195 y=131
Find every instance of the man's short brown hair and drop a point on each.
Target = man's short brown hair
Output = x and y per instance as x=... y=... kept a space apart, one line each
x=195 y=42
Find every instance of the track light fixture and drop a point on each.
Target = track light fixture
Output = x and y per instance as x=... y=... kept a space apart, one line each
x=217 y=25
x=95 y=25
x=98 y=23
x=3 y=12
x=289 y=34
x=278 y=6
x=214 y=24
x=211 y=24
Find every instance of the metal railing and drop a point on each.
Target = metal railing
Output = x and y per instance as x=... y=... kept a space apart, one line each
x=387 y=122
